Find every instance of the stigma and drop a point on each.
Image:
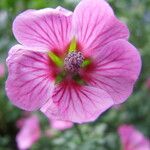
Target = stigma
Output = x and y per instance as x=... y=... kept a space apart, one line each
x=73 y=62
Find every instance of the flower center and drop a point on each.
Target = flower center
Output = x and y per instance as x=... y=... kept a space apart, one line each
x=73 y=61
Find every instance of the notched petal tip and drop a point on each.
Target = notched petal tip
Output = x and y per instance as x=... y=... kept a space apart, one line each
x=45 y=28
x=95 y=25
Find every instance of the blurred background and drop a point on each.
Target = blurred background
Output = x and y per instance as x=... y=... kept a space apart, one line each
x=101 y=134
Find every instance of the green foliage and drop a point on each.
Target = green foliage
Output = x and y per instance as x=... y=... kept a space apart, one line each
x=101 y=134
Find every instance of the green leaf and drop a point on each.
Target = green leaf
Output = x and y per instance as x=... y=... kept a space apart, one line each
x=86 y=62
x=73 y=45
x=58 y=61
x=60 y=77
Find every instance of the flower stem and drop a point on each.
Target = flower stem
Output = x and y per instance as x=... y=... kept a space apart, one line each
x=78 y=130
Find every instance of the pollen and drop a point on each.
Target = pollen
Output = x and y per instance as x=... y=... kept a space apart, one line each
x=73 y=61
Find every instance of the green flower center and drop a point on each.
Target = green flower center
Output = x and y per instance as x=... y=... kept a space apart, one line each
x=71 y=64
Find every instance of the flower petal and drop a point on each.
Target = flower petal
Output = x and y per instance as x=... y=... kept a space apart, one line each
x=30 y=81
x=116 y=68
x=29 y=133
x=60 y=125
x=95 y=25
x=46 y=28
x=77 y=104
x=132 y=139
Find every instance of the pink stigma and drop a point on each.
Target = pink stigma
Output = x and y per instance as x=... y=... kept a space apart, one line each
x=73 y=61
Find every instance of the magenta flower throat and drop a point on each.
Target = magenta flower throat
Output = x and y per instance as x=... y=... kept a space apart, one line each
x=72 y=66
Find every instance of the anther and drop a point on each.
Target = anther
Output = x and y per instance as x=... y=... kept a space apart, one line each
x=73 y=61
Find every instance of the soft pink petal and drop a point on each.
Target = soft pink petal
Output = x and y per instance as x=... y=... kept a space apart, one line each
x=77 y=104
x=46 y=28
x=29 y=133
x=95 y=25
x=116 y=68
x=132 y=139
x=30 y=82
x=60 y=125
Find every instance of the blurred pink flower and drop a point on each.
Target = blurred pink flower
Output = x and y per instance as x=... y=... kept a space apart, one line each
x=2 y=70
x=57 y=125
x=73 y=65
x=132 y=139
x=29 y=133
x=61 y=125
x=20 y=123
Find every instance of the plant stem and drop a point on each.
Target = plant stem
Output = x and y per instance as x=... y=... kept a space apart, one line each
x=78 y=130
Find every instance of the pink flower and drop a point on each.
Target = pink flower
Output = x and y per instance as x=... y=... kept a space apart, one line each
x=29 y=132
x=61 y=125
x=20 y=123
x=74 y=66
x=132 y=139
x=57 y=125
x=2 y=70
